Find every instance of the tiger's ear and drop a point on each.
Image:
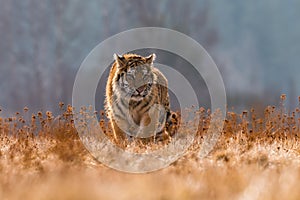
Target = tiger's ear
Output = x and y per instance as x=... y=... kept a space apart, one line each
x=150 y=59
x=119 y=59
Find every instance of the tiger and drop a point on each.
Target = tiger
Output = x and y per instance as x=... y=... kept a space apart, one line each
x=137 y=101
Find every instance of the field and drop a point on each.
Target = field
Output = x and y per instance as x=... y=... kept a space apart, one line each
x=256 y=157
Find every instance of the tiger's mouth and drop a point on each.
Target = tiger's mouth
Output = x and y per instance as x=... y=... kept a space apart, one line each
x=140 y=92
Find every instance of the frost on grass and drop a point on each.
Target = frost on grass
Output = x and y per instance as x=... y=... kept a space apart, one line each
x=254 y=156
x=136 y=157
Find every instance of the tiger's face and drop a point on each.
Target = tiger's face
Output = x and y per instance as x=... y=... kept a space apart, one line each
x=135 y=77
x=136 y=82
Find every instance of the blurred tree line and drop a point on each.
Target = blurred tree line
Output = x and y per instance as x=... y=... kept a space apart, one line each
x=43 y=43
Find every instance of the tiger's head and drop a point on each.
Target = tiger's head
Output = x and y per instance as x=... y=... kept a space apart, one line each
x=134 y=77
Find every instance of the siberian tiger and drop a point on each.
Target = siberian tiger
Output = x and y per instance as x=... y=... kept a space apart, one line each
x=137 y=100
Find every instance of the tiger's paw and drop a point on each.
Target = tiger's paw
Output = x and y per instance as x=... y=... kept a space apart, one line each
x=172 y=123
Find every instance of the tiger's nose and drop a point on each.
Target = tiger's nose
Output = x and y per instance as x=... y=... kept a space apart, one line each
x=140 y=89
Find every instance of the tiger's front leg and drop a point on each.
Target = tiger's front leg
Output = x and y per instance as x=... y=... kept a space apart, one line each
x=152 y=122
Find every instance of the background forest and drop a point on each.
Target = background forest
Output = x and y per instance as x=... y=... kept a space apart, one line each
x=254 y=43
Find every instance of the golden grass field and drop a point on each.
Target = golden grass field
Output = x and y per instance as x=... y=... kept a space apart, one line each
x=255 y=158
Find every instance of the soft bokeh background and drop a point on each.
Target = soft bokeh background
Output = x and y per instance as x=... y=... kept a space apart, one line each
x=43 y=42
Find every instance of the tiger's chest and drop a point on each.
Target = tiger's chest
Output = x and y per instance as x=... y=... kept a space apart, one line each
x=139 y=110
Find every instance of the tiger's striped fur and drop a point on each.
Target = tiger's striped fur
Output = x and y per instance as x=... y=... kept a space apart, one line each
x=134 y=87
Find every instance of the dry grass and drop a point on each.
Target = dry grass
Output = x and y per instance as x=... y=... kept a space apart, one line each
x=255 y=158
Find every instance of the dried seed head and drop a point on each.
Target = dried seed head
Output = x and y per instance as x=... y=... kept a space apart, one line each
x=61 y=105
x=25 y=109
x=202 y=110
x=49 y=115
x=283 y=97
x=245 y=113
x=69 y=109
x=102 y=113
x=40 y=114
